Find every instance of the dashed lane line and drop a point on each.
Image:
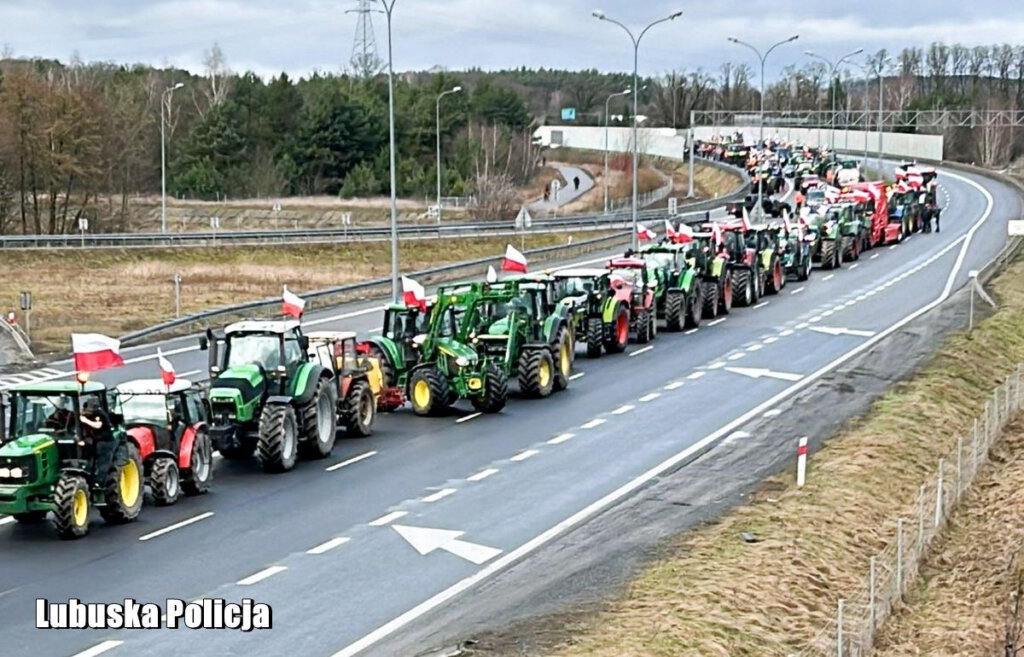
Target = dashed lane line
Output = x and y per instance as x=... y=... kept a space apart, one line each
x=593 y=424
x=875 y=256
x=387 y=519
x=483 y=474
x=262 y=575
x=354 y=459
x=621 y=410
x=177 y=525
x=775 y=412
x=717 y=321
x=98 y=649
x=561 y=438
x=798 y=290
x=854 y=266
x=675 y=385
x=577 y=375
x=762 y=304
x=650 y=397
x=439 y=495
x=736 y=356
x=690 y=332
x=717 y=365
x=522 y=456
x=640 y=351
x=328 y=545
x=787 y=333
x=829 y=277
x=467 y=418
x=696 y=375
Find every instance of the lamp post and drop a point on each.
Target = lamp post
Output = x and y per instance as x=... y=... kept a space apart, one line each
x=165 y=99
x=389 y=6
x=879 y=70
x=832 y=81
x=607 y=109
x=600 y=15
x=760 y=134
x=453 y=90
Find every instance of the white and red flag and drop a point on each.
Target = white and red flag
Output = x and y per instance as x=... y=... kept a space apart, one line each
x=514 y=260
x=166 y=368
x=93 y=351
x=413 y=294
x=292 y=305
x=645 y=234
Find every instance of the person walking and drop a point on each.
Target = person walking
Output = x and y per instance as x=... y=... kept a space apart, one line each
x=576 y=183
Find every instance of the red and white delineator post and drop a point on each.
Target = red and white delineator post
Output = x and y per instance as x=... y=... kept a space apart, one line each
x=801 y=462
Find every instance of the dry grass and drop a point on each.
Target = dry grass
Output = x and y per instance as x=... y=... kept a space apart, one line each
x=114 y=292
x=962 y=603
x=715 y=595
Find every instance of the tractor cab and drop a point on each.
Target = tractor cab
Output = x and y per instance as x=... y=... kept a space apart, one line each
x=254 y=354
x=402 y=324
x=164 y=411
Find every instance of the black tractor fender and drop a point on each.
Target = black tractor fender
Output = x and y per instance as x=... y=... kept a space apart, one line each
x=306 y=395
x=282 y=400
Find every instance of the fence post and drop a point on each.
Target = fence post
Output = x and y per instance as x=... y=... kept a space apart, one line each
x=974 y=450
x=959 y=465
x=938 y=494
x=899 y=557
x=839 y=629
x=872 y=612
x=920 y=520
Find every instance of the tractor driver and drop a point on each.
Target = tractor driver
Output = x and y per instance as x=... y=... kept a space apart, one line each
x=95 y=422
x=61 y=419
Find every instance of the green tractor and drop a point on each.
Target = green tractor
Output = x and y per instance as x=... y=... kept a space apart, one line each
x=425 y=358
x=835 y=229
x=602 y=310
x=680 y=295
x=771 y=256
x=795 y=245
x=65 y=450
x=715 y=274
x=266 y=397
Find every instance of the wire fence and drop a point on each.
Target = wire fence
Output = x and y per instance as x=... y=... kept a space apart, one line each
x=853 y=629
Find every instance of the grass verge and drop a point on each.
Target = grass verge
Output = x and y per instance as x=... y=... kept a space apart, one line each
x=713 y=594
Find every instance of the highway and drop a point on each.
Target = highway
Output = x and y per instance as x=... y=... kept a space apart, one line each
x=351 y=550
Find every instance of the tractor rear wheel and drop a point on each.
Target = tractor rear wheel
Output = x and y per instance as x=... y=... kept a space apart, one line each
x=200 y=466
x=618 y=331
x=388 y=378
x=694 y=307
x=776 y=278
x=725 y=298
x=278 y=445
x=828 y=254
x=30 y=517
x=805 y=269
x=595 y=337
x=743 y=287
x=709 y=299
x=358 y=410
x=71 y=502
x=675 y=310
x=319 y=424
x=495 y=390
x=429 y=391
x=165 y=481
x=643 y=326
x=536 y=372
x=562 y=352
x=123 y=487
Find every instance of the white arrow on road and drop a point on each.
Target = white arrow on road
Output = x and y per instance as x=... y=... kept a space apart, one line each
x=828 y=330
x=757 y=373
x=425 y=540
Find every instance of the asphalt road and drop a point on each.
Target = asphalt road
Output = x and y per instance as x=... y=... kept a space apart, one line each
x=512 y=483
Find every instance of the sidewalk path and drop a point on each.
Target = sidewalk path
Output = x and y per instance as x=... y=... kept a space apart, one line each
x=567 y=194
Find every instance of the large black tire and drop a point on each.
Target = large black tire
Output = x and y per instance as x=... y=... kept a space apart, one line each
x=595 y=337
x=358 y=410
x=805 y=269
x=643 y=326
x=123 y=486
x=278 y=445
x=725 y=295
x=200 y=467
x=828 y=254
x=495 y=390
x=429 y=391
x=709 y=299
x=675 y=310
x=694 y=307
x=561 y=351
x=536 y=372
x=71 y=504
x=243 y=451
x=743 y=287
x=776 y=277
x=388 y=377
x=319 y=423
x=165 y=481
x=618 y=331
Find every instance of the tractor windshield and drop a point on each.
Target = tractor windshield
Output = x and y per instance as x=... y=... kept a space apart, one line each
x=247 y=348
x=630 y=275
x=42 y=413
x=148 y=409
x=661 y=260
x=576 y=286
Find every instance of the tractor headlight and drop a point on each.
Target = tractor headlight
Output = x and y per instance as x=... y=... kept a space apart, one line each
x=5 y=473
x=16 y=473
x=462 y=361
x=281 y=369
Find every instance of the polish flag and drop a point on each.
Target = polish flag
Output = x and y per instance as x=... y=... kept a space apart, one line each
x=492 y=276
x=514 y=260
x=166 y=368
x=745 y=220
x=670 y=232
x=413 y=294
x=716 y=233
x=93 y=351
x=645 y=234
x=292 y=305
x=683 y=235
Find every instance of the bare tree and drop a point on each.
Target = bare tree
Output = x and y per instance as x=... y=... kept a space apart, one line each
x=216 y=85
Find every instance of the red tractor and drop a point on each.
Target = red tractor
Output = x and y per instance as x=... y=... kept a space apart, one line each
x=169 y=424
x=748 y=278
x=631 y=278
x=872 y=201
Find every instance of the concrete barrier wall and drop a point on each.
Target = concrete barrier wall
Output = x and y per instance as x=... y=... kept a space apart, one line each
x=666 y=142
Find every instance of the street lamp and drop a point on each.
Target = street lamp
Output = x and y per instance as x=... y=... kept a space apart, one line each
x=607 y=109
x=760 y=134
x=600 y=15
x=879 y=70
x=165 y=99
x=453 y=90
x=395 y=295
x=832 y=81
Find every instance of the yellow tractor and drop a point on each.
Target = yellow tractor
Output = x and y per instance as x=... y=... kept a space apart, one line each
x=357 y=377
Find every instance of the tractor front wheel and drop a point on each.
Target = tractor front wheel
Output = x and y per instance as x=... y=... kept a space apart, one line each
x=562 y=351
x=710 y=299
x=725 y=300
x=595 y=337
x=319 y=424
x=643 y=326
x=743 y=287
x=429 y=391
x=536 y=372
x=694 y=304
x=165 y=481
x=278 y=444
x=123 y=487
x=675 y=309
x=71 y=504
x=358 y=410
x=200 y=466
x=495 y=390
x=618 y=331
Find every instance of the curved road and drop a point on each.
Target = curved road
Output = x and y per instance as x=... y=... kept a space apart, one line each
x=567 y=194
x=509 y=483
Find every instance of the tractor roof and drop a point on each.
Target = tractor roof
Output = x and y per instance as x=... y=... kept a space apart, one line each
x=60 y=387
x=580 y=273
x=329 y=336
x=153 y=387
x=627 y=263
x=532 y=277
x=262 y=326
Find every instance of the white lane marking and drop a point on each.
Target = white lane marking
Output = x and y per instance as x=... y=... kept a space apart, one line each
x=816 y=318
x=596 y=422
x=640 y=351
x=52 y=372
x=467 y=418
x=828 y=313
x=483 y=474
x=185 y=375
x=98 y=649
x=762 y=304
x=6 y=521
x=717 y=321
x=690 y=332
x=717 y=365
x=828 y=330
x=561 y=438
x=875 y=256
x=755 y=347
x=334 y=318
x=829 y=277
x=439 y=495
x=798 y=290
x=736 y=356
x=623 y=409
x=577 y=375
x=675 y=385
x=425 y=540
x=354 y=459
x=734 y=436
x=890 y=248
x=391 y=517
x=759 y=372
x=787 y=333
x=775 y=412
x=522 y=456
x=695 y=376
x=853 y=266
x=177 y=525
x=376 y=330
x=771 y=340
x=328 y=545
x=262 y=575
x=651 y=396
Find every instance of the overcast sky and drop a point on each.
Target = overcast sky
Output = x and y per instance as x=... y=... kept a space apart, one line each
x=300 y=36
